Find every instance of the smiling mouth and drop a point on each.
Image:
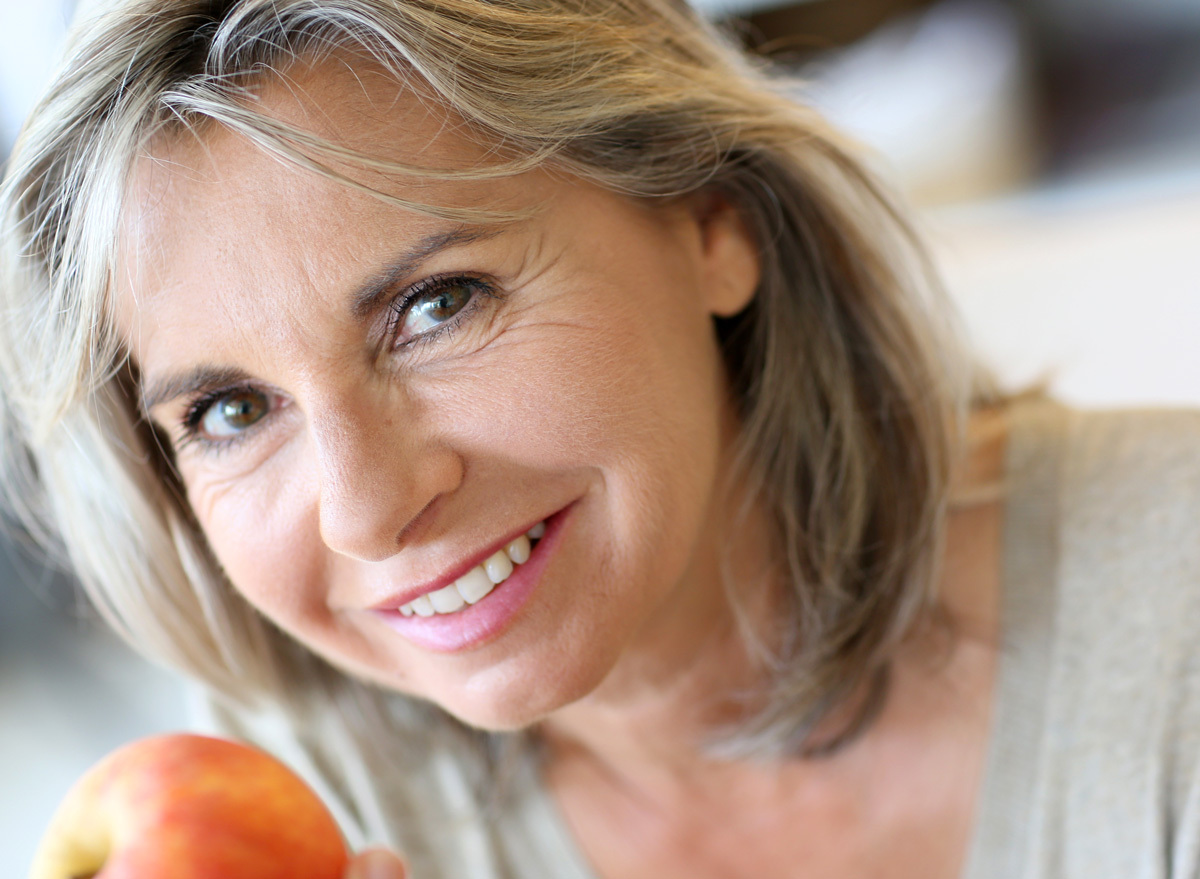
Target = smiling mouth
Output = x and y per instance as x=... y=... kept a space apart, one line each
x=475 y=585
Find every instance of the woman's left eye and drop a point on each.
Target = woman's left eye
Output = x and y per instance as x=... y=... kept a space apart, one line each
x=228 y=414
x=219 y=419
x=433 y=306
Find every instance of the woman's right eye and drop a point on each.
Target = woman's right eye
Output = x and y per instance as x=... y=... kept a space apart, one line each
x=226 y=414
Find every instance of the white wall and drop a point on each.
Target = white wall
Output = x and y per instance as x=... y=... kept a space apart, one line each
x=1095 y=285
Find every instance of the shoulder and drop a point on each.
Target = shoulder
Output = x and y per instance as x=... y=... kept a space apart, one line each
x=1134 y=476
x=1121 y=491
x=1111 y=500
x=1129 y=510
x=1125 y=685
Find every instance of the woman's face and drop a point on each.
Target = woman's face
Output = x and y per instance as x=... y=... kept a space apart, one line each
x=368 y=405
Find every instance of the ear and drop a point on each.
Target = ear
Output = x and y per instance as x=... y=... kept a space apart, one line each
x=730 y=254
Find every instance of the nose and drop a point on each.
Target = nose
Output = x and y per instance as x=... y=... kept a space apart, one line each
x=377 y=477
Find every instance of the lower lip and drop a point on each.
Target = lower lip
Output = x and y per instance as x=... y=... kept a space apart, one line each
x=480 y=623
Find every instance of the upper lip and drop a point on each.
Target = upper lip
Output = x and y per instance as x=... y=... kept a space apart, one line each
x=452 y=573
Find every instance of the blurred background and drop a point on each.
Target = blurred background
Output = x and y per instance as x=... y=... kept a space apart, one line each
x=1052 y=148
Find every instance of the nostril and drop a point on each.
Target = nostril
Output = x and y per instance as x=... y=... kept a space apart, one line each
x=412 y=528
x=378 y=489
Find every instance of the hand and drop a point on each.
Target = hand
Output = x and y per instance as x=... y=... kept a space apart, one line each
x=376 y=863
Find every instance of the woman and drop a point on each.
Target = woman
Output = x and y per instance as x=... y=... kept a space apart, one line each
x=536 y=429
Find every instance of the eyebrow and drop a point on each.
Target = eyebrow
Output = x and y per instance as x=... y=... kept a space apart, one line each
x=367 y=298
x=363 y=303
x=198 y=380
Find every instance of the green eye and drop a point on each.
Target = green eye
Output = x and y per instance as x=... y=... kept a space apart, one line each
x=431 y=308
x=234 y=412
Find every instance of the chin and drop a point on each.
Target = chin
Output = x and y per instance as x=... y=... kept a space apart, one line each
x=504 y=715
x=521 y=703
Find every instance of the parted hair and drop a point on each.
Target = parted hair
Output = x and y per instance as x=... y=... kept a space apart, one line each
x=850 y=385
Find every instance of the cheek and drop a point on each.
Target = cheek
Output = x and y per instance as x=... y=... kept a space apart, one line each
x=260 y=528
x=584 y=390
x=631 y=403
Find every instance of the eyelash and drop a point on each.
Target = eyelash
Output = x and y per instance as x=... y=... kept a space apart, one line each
x=198 y=407
x=400 y=306
x=194 y=414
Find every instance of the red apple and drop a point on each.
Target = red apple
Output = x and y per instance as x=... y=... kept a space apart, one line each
x=190 y=807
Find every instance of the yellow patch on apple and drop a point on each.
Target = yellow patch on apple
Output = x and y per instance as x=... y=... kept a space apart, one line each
x=184 y=806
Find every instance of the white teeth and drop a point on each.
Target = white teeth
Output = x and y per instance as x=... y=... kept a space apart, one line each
x=478 y=582
x=474 y=585
x=498 y=567
x=447 y=599
x=519 y=550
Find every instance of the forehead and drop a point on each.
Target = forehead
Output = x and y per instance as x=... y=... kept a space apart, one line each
x=346 y=101
x=209 y=203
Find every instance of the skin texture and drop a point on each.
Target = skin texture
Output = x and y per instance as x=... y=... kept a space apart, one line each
x=591 y=380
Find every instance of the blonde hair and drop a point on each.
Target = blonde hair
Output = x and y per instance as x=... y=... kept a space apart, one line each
x=849 y=386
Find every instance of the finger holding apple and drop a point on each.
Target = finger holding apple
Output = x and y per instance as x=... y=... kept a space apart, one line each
x=184 y=806
x=376 y=864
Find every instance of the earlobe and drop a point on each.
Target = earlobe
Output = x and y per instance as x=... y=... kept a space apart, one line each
x=730 y=254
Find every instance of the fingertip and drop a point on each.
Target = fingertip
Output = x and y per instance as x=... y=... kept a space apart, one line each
x=376 y=863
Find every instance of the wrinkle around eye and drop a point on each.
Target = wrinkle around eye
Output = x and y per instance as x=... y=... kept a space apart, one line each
x=472 y=329
x=264 y=443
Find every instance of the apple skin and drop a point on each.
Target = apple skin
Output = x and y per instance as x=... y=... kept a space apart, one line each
x=184 y=806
